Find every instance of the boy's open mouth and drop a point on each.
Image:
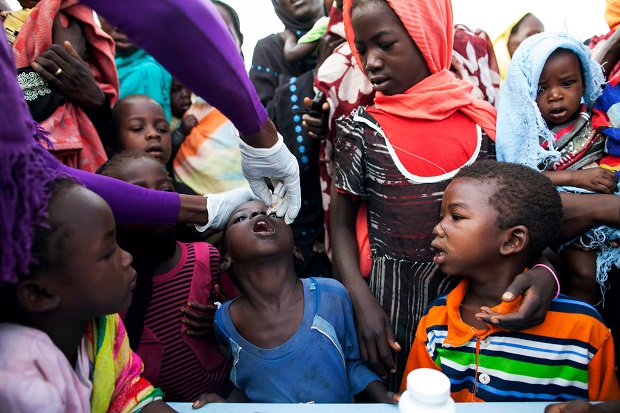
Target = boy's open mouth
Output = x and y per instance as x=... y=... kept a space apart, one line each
x=440 y=255
x=262 y=227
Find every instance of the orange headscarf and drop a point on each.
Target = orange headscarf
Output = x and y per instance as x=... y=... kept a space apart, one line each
x=429 y=23
x=612 y=14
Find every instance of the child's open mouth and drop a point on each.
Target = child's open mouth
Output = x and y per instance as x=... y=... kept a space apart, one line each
x=439 y=258
x=558 y=112
x=262 y=227
x=440 y=255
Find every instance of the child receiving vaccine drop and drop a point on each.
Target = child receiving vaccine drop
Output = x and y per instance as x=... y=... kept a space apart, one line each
x=496 y=220
x=292 y=340
x=545 y=121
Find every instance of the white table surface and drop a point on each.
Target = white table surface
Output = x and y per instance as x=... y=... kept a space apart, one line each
x=350 y=408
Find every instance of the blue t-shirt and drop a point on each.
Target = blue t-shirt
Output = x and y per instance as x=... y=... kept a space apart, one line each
x=320 y=363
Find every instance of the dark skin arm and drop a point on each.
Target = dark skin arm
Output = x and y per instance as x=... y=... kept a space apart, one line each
x=293 y=51
x=594 y=179
x=375 y=333
x=584 y=211
x=193 y=210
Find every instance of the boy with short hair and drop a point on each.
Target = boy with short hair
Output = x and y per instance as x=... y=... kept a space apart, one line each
x=496 y=219
x=292 y=340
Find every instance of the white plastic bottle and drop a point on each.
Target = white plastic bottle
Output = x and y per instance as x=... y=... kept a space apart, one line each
x=428 y=391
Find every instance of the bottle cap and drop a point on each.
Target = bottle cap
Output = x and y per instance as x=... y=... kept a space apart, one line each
x=428 y=386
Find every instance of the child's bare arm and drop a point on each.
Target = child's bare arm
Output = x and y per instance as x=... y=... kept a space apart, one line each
x=594 y=179
x=375 y=333
x=296 y=51
x=378 y=393
x=290 y=40
x=584 y=211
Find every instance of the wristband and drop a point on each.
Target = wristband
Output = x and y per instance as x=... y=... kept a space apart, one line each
x=557 y=294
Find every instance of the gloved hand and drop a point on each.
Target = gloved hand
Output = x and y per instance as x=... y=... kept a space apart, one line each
x=278 y=164
x=220 y=206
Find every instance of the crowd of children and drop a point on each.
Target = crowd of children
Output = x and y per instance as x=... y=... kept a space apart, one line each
x=114 y=298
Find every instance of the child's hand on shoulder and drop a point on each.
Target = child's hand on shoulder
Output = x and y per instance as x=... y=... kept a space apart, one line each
x=596 y=179
x=198 y=318
x=205 y=398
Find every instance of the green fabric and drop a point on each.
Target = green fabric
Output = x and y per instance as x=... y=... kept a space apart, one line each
x=317 y=31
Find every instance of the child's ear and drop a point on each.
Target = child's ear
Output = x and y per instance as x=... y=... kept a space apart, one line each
x=36 y=297
x=518 y=240
x=224 y=264
x=297 y=254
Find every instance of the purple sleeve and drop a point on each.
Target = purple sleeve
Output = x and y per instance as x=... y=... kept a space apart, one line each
x=190 y=39
x=131 y=204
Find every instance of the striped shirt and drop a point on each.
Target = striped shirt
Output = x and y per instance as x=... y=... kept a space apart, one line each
x=183 y=366
x=569 y=356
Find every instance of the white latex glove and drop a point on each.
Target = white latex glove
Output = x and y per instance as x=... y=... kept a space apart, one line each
x=220 y=206
x=278 y=164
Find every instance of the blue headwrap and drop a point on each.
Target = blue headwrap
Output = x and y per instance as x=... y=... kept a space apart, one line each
x=520 y=125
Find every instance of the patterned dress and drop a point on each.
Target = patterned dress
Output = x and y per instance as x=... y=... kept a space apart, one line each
x=347 y=88
x=401 y=217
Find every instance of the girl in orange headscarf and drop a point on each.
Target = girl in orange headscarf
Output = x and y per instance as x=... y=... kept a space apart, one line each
x=399 y=156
